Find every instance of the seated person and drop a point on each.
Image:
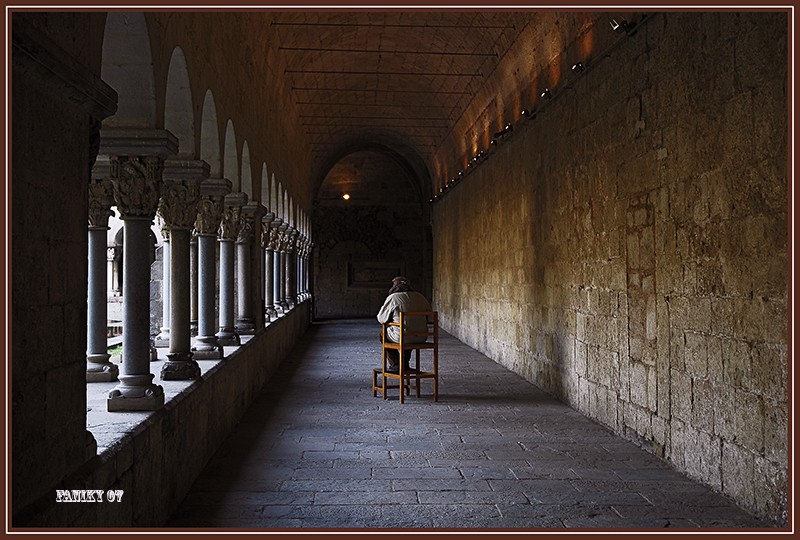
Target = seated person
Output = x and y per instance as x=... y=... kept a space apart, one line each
x=402 y=298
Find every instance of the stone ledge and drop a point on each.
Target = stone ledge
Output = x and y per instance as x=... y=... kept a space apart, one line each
x=154 y=457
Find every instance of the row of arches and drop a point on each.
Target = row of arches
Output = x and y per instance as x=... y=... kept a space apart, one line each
x=216 y=210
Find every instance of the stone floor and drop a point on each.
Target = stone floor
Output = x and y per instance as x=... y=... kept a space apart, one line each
x=317 y=451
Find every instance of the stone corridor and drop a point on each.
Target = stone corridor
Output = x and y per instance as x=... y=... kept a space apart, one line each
x=317 y=451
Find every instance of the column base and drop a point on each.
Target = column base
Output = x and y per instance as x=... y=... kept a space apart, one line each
x=162 y=339
x=193 y=328
x=180 y=367
x=245 y=327
x=146 y=403
x=135 y=397
x=207 y=348
x=228 y=337
x=153 y=353
x=99 y=369
x=270 y=313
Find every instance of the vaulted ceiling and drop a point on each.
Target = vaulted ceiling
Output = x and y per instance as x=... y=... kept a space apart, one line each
x=399 y=80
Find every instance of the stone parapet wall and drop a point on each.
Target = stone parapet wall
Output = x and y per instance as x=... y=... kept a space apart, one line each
x=626 y=250
x=157 y=463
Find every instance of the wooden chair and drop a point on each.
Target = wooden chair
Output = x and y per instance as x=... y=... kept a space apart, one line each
x=404 y=347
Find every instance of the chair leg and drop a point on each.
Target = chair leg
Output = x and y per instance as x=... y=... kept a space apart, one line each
x=417 y=367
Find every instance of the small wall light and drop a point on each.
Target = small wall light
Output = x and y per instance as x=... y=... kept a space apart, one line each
x=622 y=26
x=546 y=94
x=504 y=131
x=346 y=196
x=577 y=67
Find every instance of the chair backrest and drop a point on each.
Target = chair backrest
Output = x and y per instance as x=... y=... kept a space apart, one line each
x=412 y=330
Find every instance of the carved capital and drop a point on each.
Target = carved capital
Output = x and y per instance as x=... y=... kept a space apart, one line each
x=111 y=253
x=178 y=204
x=137 y=185
x=209 y=214
x=101 y=199
x=231 y=223
x=246 y=232
x=265 y=229
x=291 y=240
x=274 y=238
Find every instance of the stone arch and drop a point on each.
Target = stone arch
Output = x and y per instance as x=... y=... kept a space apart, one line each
x=281 y=206
x=127 y=67
x=273 y=198
x=230 y=166
x=178 y=116
x=209 y=136
x=265 y=187
x=247 y=177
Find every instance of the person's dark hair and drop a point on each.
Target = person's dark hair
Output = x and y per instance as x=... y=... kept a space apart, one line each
x=400 y=284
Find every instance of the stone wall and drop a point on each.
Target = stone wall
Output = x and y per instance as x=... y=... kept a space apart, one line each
x=157 y=463
x=363 y=242
x=626 y=250
x=55 y=99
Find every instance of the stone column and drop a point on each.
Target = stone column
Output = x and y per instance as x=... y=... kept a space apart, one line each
x=99 y=368
x=245 y=319
x=275 y=243
x=193 y=283
x=309 y=266
x=209 y=214
x=136 y=165
x=304 y=277
x=266 y=273
x=301 y=261
x=291 y=267
x=162 y=339
x=111 y=258
x=280 y=271
x=178 y=209
x=228 y=232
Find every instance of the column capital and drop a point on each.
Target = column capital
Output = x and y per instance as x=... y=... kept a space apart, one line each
x=231 y=223
x=209 y=215
x=291 y=239
x=210 y=205
x=101 y=199
x=251 y=214
x=137 y=185
x=178 y=203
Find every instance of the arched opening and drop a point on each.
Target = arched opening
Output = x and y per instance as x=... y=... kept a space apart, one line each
x=128 y=68
x=247 y=177
x=209 y=136
x=230 y=165
x=369 y=227
x=265 y=187
x=178 y=117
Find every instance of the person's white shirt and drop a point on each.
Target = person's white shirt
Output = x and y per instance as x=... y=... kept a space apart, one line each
x=404 y=301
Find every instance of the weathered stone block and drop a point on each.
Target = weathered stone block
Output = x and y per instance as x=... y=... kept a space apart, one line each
x=703 y=405
x=738 y=481
x=749 y=422
x=703 y=456
x=724 y=412
x=776 y=431
x=681 y=392
x=771 y=488
x=638 y=384
x=696 y=355
x=769 y=371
